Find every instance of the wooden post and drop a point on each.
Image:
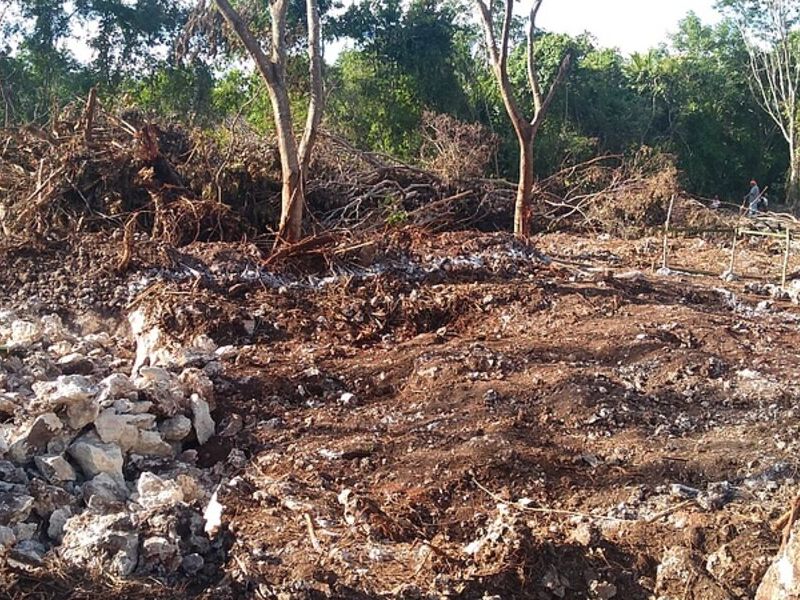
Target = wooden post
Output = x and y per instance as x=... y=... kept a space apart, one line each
x=742 y=212
x=733 y=252
x=665 y=249
x=40 y=194
x=91 y=105
x=786 y=258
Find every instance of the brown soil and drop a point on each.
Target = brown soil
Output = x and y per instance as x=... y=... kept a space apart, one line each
x=392 y=421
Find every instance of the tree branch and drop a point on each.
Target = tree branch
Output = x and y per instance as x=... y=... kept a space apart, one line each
x=277 y=10
x=533 y=77
x=500 y=64
x=563 y=70
x=317 y=101
x=509 y=15
x=487 y=23
x=263 y=63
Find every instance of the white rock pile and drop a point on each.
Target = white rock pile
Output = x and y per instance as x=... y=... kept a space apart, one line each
x=97 y=465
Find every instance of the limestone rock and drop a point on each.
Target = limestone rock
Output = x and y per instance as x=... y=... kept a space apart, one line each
x=58 y=519
x=155 y=492
x=104 y=495
x=7 y=538
x=11 y=473
x=82 y=412
x=107 y=540
x=176 y=428
x=115 y=387
x=34 y=438
x=782 y=580
x=95 y=457
x=75 y=364
x=25 y=531
x=55 y=468
x=163 y=388
x=27 y=552
x=14 y=507
x=150 y=443
x=151 y=341
x=201 y=419
x=680 y=575
x=25 y=333
x=117 y=429
x=65 y=390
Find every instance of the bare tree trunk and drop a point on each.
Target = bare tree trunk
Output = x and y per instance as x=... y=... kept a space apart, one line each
x=294 y=157
x=292 y=196
x=88 y=116
x=775 y=73
x=524 y=201
x=317 y=102
x=793 y=179
x=526 y=129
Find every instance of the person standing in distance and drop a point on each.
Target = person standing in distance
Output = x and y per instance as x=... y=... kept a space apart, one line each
x=753 y=197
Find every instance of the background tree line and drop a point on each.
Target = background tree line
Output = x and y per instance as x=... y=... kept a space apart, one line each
x=403 y=61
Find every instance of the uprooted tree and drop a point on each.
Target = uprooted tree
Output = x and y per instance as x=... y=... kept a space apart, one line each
x=295 y=155
x=525 y=129
x=768 y=28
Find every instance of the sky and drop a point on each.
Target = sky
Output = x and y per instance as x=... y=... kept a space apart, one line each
x=630 y=25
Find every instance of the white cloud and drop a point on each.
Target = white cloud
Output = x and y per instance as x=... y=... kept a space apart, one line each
x=630 y=25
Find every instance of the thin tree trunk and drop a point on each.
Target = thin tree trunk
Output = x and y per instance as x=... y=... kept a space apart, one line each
x=526 y=129
x=524 y=202
x=295 y=155
x=292 y=196
x=317 y=100
x=793 y=182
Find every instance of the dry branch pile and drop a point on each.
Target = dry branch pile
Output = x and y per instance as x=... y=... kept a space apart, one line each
x=366 y=190
x=93 y=171
x=626 y=197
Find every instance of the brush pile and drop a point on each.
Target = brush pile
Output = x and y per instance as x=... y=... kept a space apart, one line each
x=91 y=170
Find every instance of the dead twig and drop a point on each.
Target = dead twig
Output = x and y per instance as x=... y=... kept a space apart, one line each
x=541 y=510
x=669 y=511
x=312 y=535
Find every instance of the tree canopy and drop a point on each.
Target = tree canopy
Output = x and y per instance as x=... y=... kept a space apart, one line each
x=395 y=62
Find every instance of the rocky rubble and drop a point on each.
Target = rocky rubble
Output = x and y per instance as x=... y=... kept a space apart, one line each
x=96 y=458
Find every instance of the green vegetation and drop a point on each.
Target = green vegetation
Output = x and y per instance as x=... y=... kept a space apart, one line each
x=690 y=98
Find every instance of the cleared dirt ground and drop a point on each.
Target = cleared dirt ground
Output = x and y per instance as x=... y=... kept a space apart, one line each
x=462 y=416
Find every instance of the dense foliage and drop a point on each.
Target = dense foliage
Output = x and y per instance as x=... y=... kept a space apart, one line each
x=397 y=62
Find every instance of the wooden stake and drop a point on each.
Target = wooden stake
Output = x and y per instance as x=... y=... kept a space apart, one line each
x=40 y=190
x=742 y=211
x=669 y=511
x=665 y=249
x=311 y=533
x=91 y=106
x=786 y=258
x=733 y=252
